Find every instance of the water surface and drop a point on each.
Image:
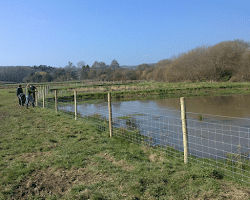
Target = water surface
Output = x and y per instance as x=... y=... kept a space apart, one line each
x=217 y=125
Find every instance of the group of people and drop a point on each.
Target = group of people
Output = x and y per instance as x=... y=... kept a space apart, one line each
x=29 y=96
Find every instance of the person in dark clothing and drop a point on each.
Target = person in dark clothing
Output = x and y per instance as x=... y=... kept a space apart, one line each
x=22 y=99
x=32 y=87
x=19 y=94
x=19 y=90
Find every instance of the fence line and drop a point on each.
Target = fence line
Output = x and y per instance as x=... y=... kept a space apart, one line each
x=221 y=145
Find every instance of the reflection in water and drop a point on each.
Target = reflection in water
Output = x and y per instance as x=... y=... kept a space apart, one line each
x=209 y=135
x=117 y=105
x=232 y=106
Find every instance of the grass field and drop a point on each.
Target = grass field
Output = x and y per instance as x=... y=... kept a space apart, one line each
x=149 y=90
x=51 y=156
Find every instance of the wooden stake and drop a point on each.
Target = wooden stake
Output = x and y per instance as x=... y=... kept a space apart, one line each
x=43 y=99
x=36 y=97
x=110 y=115
x=37 y=94
x=75 y=93
x=184 y=128
x=56 y=101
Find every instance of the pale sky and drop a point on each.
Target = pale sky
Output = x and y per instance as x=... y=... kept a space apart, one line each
x=54 y=32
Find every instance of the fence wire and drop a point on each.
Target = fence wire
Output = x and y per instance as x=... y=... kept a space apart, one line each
x=218 y=141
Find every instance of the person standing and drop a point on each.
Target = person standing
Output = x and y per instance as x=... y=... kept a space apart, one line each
x=32 y=87
x=29 y=92
x=19 y=91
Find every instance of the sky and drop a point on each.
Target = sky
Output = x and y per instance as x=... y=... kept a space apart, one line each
x=55 y=32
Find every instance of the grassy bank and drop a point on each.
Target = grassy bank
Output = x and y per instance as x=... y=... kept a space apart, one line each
x=154 y=90
x=51 y=156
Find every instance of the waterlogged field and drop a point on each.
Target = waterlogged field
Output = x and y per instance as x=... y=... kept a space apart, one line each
x=45 y=155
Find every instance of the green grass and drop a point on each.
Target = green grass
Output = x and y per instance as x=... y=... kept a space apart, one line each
x=52 y=156
x=155 y=90
x=125 y=117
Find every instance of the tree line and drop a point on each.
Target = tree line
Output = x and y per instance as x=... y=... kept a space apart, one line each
x=225 y=61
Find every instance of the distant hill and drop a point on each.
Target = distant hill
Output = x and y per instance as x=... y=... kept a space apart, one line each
x=128 y=67
x=3 y=67
x=134 y=66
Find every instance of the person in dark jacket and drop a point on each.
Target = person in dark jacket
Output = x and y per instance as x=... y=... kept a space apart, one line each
x=19 y=90
x=19 y=94
x=32 y=87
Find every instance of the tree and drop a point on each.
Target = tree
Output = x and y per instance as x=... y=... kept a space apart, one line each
x=39 y=77
x=71 y=72
x=117 y=75
x=128 y=74
x=142 y=67
x=225 y=58
x=15 y=74
x=59 y=75
x=99 y=65
x=81 y=64
x=84 y=72
x=244 y=71
x=92 y=74
x=114 y=65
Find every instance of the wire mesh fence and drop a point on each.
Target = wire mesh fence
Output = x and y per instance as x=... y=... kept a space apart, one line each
x=218 y=141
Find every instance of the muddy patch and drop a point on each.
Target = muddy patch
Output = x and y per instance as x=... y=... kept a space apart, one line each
x=49 y=182
x=231 y=191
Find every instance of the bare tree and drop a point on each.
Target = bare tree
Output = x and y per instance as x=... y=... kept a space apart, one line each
x=114 y=65
x=80 y=64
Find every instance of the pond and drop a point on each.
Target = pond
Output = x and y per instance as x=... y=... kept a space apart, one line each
x=217 y=126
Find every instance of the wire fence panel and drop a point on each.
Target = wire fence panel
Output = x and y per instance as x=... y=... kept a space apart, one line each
x=223 y=145
x=218 y=141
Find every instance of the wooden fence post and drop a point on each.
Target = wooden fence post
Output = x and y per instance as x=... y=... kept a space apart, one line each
x=37 y=94
x=36 y=97
x=40 y=94
x=56 y=101
x=184 y=128
x=43 y=98
x=110 y=115
x=75 y=93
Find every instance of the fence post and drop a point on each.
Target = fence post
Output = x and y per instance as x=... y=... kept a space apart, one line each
x=43 y=98
x=75 y=93
x=184 y=128
x=37 y=94
x=36 y=97
x=110 y=115
x=56 y=101
x=40 y=93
